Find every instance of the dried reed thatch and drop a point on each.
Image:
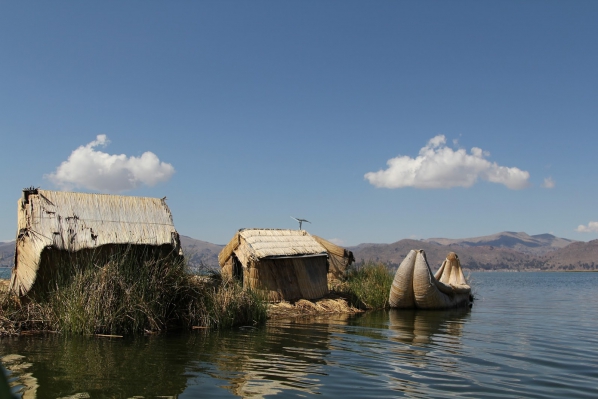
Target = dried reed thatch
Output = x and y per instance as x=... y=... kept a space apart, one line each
x=331 y=304
x=339 y=259
x=414 y=286
x=285 y=264
x=54 y=222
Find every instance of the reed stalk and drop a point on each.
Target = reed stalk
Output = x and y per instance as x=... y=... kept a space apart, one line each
x=368 y=285
x=131 y=290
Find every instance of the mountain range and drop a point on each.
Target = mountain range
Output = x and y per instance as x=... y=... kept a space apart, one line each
x=501 y=251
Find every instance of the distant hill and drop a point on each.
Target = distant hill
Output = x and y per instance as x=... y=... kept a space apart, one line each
x=7 y=253
x=539 y=244
x=501 y=251
x=577 y=256
x=473 y=258
x=201 y=254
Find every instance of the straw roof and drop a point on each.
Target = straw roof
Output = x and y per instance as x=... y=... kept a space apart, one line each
x=74 y=221
x=270 y=243
x=335 y=249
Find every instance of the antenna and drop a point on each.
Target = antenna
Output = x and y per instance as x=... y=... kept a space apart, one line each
x=300 y=221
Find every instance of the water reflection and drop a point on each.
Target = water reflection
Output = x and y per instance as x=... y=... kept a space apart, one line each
x=284 y=356
x=423 y=327
x=415 y=353
x=54 y=366
x=511 y=344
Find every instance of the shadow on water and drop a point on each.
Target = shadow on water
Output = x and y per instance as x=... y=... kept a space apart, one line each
x=286 y=355
x=56 y=366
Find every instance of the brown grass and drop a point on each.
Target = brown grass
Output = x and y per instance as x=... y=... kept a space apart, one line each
x=331 y=304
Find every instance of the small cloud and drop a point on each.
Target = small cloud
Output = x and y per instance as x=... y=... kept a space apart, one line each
x=548 y=183
x=337 y=241
x=89 y=168
x=592 y=227
x=438 y=166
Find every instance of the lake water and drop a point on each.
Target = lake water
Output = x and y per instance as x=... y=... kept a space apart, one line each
x=529 y=335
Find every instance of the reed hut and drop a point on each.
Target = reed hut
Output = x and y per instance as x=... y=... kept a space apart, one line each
x=339 y=259
x=285 y=264
x=55 y=225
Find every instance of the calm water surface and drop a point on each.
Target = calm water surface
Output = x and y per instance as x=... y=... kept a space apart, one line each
x=529 y=335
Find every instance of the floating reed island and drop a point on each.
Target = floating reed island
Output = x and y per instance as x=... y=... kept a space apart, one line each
x=108 y=264
x=113 y=265
x=415 y=287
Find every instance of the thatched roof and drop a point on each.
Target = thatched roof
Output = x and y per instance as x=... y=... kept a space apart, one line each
x=334 y=249
x=74 y=221
x=271 y=243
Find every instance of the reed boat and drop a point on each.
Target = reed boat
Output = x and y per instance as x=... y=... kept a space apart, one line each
x=415 y=287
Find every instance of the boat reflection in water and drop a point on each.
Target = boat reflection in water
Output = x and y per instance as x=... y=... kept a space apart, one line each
x=421 y=327
x=428 y=349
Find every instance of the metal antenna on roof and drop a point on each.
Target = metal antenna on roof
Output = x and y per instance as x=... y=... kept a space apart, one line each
x=300 y=221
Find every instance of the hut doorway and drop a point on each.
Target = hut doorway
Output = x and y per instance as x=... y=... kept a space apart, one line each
x=237 y=269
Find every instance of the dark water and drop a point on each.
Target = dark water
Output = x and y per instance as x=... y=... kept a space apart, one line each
x=5 y=273
x=529 y=335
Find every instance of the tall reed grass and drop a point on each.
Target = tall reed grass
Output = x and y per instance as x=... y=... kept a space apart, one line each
x=223 y=303
x=368 y=285
x=124 y=291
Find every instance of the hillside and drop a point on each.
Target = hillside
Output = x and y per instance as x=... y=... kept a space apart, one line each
x=7 y=253
x=539 y=244
x=577 y=256
x=473 y=258
x=199 y=254
x=501 y=251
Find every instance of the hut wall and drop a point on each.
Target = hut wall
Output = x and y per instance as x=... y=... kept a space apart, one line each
x=244 y=253
x=227 y=269
x=228 y=250
x=337 y=267
x=289 y=278
x=233 y=269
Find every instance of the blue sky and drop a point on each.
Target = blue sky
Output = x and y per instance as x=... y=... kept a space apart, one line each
x=376 y=121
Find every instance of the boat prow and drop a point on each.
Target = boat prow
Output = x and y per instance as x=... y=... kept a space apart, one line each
x=415 y=287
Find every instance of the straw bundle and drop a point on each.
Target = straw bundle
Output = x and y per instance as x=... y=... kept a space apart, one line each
x=303 y=307
x=414 y=285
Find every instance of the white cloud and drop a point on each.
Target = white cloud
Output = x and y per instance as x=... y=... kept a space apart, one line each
x=548 y=183
x=438 y=166
x=592 y=227
x=96 y=170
